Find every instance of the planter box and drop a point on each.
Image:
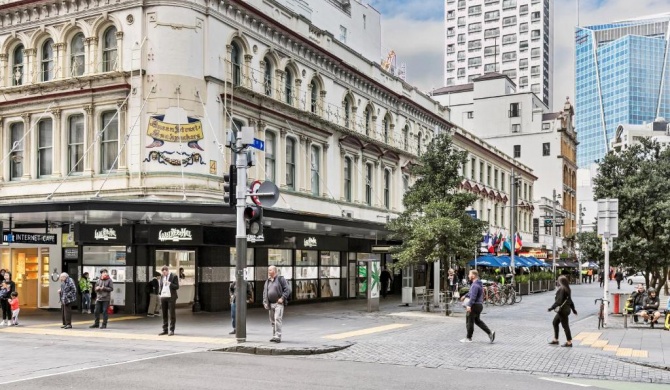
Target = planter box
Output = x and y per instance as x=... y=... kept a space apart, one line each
x=552 y=285
x=523 y=288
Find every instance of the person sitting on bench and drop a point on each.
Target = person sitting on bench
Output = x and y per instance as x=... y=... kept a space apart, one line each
x=650 y=308
x=637 y=300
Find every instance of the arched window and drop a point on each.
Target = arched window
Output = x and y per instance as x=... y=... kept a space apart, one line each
x=347 y=179
x=347 y=113
x=45 y=148
x=47 y=68
x=387 y=188
x=267 y=77
x=289 y=86
x=387 y=125
x=368 y=121
x=77 y=55
x=314 y=97
x=17 y=66
x=315 y=168
x=405 y=137
x=236 y=63
x=270 y=161
x=290 y=163
x=109 y=50
x=368 y=184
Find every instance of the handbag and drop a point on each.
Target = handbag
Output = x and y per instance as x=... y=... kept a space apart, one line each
x=558 y=309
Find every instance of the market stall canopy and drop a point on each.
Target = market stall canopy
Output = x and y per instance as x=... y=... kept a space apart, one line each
x=590 y=264
x=518 y=261
x=487 y=261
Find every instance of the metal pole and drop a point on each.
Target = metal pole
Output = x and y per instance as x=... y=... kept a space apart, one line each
x=513 y=196
x=579 y=257
x=241 y=246
x=553 y=233
x=606 y=237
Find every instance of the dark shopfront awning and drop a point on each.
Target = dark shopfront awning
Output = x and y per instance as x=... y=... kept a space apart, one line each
x=121 y=212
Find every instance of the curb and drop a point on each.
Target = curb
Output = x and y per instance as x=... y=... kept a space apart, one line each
x=643 y=364
x=268 y=350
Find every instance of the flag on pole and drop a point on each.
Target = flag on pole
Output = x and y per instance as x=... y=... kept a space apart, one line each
x=518 y=243
x=489 y=244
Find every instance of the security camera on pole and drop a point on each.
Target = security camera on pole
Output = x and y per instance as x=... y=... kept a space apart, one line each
x=235 y=194
x=608 y=228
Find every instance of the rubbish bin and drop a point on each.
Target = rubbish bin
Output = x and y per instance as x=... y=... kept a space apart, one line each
x=618 y=301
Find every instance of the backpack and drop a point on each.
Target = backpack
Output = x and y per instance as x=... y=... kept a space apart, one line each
x=148 y=288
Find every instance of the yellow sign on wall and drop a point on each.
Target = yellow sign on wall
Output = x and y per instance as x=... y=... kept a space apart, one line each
x=169 y=132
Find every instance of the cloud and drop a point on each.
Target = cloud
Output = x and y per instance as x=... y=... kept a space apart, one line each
x=415 y=30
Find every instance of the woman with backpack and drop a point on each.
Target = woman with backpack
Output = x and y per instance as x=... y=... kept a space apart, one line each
x=563 y=305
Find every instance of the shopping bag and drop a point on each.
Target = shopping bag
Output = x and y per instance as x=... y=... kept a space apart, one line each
x=110 y=309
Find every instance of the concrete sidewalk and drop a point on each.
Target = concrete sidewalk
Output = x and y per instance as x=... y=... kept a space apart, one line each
x=308 y=328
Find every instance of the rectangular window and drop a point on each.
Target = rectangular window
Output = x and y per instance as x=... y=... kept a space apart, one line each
x=491 y=16
x=502 y=182
x=290 y=163
x=473 y=165
x=507 y=4
x=523 y=63
x=523 y=27
x=347 y=179
x=450 y=81
x=451 y=48
x=492 y=32
x=535 y=16
x=475 y=10
x=481 y=172
x=474 y=62
x=514 y=110
x=474 y=27
x=495 y=180
x=451 y=65
x=460 y=56
x=509 y=56
x=535 y=52
x=488 y=175
x=535 y=35
x=516 y=128
x=474 y=45
x=546 y=126
x=461 y=72
x=517 y=151
x=315 y=169
x=75 y=145
x=461 y=4
x=509 y=21
x=451 y=32
x=470 y=114
x=488 y=68
x=535 y=88
x=451 y=14
x=343 y=34
x=109 y=143
x=511 y=73
x=535 y=70
x=523 y=81
x=546 y=149
x=461 y=39
x=509 y=39
x=523 y=9
x=16 y=160
x=523 y=45
x=491 y=50
x=461 y=21
x=270 y=156
x=45 y=148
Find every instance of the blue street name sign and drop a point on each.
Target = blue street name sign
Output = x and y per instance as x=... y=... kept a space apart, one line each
x=258 y=144
x=472 y=213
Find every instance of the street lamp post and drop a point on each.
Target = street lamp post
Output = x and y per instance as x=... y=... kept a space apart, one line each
x=553 y=231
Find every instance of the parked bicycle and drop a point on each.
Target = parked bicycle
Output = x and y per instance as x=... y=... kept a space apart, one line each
x=601 y=312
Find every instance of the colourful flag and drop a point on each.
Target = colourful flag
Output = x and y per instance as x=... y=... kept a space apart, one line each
x=518 y=243
x=490 y=244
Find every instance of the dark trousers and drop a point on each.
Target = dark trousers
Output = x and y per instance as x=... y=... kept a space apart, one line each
x=6 y=309
x=66 y=309
x=168 y=304
x=232 y=313
x=563 y=320
x=472 y=319
x=385 y=287
x=101 y=307
x=618 y=284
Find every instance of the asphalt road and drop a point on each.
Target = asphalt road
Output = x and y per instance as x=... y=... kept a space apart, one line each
x=212 y=370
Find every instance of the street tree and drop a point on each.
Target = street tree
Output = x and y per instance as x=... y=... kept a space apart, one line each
x=590 y=247
x=640 y=178
x=435 y=224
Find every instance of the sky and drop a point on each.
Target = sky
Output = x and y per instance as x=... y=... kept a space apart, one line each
x=415 y=30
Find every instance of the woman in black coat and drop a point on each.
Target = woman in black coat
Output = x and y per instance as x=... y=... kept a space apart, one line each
x=563 y=301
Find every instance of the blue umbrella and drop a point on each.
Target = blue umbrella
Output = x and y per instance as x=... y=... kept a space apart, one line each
x=486 y=261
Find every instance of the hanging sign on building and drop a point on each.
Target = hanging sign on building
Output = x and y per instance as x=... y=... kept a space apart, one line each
x=30 y=238
x=167 y=235
x=103 y=234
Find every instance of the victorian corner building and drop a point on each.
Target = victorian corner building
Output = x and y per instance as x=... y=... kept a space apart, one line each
x=114 y=118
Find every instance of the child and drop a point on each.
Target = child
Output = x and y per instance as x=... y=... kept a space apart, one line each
x=14 y=302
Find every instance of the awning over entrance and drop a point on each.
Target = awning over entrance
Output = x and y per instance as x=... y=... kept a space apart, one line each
x=122 y=212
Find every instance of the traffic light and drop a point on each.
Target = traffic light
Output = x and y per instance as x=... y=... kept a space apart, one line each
x=230 y=186
x=253 y=216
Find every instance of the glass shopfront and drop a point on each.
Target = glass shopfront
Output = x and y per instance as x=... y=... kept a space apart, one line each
x=113 y=259
x=182 y=263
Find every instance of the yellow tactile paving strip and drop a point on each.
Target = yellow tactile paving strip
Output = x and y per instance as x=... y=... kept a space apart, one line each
x=364 y=332
x=116 y=335
x=88 y=322
x=593 y=339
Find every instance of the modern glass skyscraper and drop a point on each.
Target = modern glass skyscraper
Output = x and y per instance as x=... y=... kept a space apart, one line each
x=621 y=77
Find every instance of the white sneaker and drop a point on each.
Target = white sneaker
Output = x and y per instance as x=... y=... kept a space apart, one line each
x=466 y=340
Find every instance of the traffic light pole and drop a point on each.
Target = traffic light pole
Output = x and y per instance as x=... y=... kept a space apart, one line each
x=241 y=245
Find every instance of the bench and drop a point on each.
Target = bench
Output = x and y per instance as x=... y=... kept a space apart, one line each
x=627 y=313
x=423 y=296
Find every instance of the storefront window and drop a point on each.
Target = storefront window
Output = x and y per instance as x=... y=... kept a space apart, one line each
x=283 y=260
x=330 y=274
x=113 y=259
x=249 y=269
x=181 y=262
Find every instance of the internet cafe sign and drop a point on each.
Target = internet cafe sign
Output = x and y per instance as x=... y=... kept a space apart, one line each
x=30 y=238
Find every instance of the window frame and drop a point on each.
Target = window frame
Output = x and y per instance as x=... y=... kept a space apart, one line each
x=77 y=166
x=18 y=64
x=44 y=151
x=369 y=177
x=106 y=144
x=290 y=163
x=16 y=137
x=47 y=61
x=387 y=188
x=76 y=56
x=546 y=149
x=270 y=155
x=315 y=169
x=348 y=165
x=288 y=86
x=267 y=77
x=110 y=52
x=236 y=63
x=517 y=151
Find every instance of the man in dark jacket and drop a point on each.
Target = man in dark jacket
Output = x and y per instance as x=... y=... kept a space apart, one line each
x=275 y=295
x=384 y=279
x=474 y=308
x=68 y=296
x=637 y=298
x=650 y=308
x=231 y=290
x=168 y=286
x=154 y=299
x=103 y=288
x=619 y=277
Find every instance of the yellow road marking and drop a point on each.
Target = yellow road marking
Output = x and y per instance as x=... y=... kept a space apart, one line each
x=363 y=332
x=611 y=348
x=626 y=352
x=106 y=334
x=640 y=353
x=115 y=319
x=587 y=335
x=599 y=344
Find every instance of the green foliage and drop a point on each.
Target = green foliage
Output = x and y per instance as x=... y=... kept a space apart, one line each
x=522 y=278
x=640 y=178
x=590 y=247
x=434 y=224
